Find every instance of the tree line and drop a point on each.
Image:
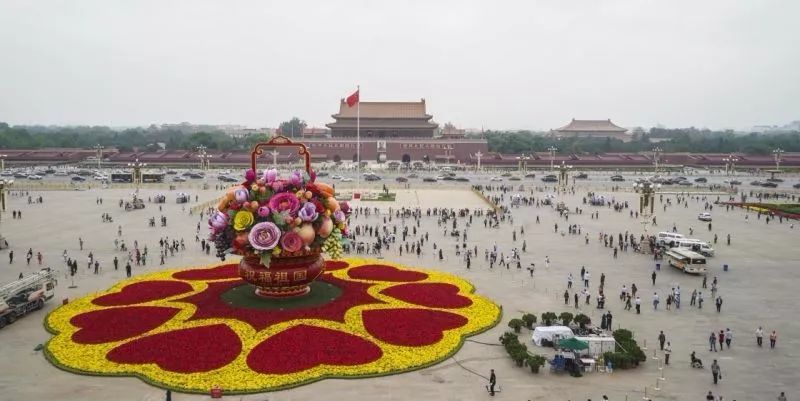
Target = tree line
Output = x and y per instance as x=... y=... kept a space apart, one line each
x=669 y=140
x=152 y=138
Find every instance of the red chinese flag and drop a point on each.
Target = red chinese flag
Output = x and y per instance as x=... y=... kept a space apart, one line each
x=352 y=99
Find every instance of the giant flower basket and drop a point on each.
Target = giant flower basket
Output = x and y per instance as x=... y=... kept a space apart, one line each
x=280 y=226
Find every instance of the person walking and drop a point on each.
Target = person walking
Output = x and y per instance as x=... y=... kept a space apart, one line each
x=128 y=269
x=638 y=305
x=493 y=381
x=667 y=351
x=116 y=263
x=728 y=337
x=716 y=372
x=721 y=337
x=661 y=339
x=712 y=342
x=782 y=397
x=655 y=301
x=718 y=302
x=11 y=257
x=759 y=336
x=653 y=277
x=773 y=338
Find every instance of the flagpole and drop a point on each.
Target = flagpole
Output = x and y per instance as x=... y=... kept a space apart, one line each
x=358 y=139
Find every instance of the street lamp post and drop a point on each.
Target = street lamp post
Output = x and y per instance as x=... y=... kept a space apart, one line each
x=478 y=156
x=3 y=184
x=730 y=164
x=3 y=162
x=99 y=149
x=563 y=176
x=777 y=153
x=656 y=154
x=552 y=150
x=647 y=199
x=137 y=172
x=205 y=158
x=274 y=154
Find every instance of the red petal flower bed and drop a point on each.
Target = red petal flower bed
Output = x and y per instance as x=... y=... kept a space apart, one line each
x=107 y=325
x=214 y=273
x=410 y=327
x=434 y=295
x=333 y=265
x=210 y=304
x=385 y=273
x=145 y=291
x=276 y=354
x=176 y=351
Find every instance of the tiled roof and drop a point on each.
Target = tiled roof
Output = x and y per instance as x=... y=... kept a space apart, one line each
x=384 y=110
x=591 y=125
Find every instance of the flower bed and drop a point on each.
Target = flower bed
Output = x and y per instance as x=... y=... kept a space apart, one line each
x=174 y=330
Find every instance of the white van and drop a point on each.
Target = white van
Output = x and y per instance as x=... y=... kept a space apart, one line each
x=669 y=239
x=695 y=245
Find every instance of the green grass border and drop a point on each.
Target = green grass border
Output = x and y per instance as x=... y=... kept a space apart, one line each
x=54 y=361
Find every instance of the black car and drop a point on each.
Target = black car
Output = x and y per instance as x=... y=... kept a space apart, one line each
x=617 y=178
x=429 y=179
x=401 y=179
x=413 y=175
x=550 y=178
x=448 y=178
x=322 y=174
x=505 y=175
x=78 y=178
x=582 y=176
x=756 y=183
x=372 y=177
x=775 y=179
x=796 y=185
x=462 y=179
x=769 y=184
x=735 y=182
x=530 y=175
x=701 y=179
x=225 y=178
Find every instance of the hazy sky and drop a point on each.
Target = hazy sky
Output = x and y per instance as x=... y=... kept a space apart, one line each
x=493 y=64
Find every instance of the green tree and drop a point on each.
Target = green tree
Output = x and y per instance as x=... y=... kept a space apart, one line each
x=292 y=128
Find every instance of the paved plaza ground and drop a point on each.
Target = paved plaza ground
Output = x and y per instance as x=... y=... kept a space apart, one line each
x=759 y=290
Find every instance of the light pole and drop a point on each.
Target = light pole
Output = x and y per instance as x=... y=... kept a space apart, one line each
x=563 y=176
x=647 y=200
x=137 y=172
x=205 y=158
x=478 y=156
x=525 y=163
x=656 y=154
x=777 y=153
x=3 y=162
x=730 y=164
x=274 y=154
x=552 y=150
x=3 y=184
x=99 y=149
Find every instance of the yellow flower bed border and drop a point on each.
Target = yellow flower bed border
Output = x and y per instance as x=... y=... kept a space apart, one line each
x=354 y=262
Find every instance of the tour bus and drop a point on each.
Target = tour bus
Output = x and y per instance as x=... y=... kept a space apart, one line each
x=669 y=239
x=689 y=261
x=695 y=245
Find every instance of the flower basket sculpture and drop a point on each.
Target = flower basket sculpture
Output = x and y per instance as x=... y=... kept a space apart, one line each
x=280 y=226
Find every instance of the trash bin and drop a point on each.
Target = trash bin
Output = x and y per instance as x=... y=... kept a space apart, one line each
x=658 y=266
x=725 y=267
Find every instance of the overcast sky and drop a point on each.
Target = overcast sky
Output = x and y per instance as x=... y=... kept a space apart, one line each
x=492 y=64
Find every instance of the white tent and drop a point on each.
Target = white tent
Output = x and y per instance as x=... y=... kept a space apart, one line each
x=598 y=345
x=551 y=333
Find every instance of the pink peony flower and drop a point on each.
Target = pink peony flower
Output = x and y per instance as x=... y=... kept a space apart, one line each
x=284 y=202
x=250 y=175
x=218 y=220
x=339 y=216
x=297 y=178
x=270 y=175
x=292 y=242
x=263 y=211
x=241 y=195
x=308 y=212
x=264 y=236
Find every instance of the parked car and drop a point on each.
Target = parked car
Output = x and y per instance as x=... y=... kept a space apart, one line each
x=429 y=179
x=582 y=176
x=413 y=175
x=336 y=177
x=796 y=185
x=495 y=179
x=462 y=179
x=178 y=178
x=78 y=178
x=35 y=177
x=756 y=183
x=685 y=183
x=401 y=179
x=346 y=179
x=705 y=216
x=617 y=178
x=769 y=184
x=550 y=178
